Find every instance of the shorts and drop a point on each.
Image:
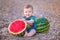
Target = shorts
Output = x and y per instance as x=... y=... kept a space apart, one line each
x=29 y=29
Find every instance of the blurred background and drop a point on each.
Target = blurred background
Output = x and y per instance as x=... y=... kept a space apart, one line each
x=13 y=9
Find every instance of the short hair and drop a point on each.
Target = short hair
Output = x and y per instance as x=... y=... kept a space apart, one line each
x=28 y=6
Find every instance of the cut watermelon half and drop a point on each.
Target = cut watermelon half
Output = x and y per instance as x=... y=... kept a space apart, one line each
x=17 y=26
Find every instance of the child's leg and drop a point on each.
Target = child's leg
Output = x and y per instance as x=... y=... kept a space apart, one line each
x=25 y=34
x=31 y=33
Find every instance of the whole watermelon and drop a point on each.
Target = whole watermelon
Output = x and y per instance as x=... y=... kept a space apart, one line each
x=42 y=25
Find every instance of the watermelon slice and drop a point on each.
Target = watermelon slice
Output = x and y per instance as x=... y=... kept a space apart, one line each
x=17 y=27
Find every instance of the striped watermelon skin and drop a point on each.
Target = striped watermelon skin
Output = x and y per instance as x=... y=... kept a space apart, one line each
x=42 y=25
x=43 y=29
x=20 y=34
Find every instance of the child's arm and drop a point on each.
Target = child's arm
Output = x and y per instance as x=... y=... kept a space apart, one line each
x=30 y=22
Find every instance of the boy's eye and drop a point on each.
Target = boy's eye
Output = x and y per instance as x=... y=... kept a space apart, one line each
x=25 y=11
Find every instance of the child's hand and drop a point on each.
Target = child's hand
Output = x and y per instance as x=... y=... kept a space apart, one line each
x=30 y=22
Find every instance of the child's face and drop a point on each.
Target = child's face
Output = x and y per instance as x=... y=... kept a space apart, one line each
x=28 y=12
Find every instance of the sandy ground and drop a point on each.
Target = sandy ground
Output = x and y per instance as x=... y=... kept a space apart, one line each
x=13 y=9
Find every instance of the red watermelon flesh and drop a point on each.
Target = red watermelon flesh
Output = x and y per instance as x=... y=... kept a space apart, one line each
x=17 y=26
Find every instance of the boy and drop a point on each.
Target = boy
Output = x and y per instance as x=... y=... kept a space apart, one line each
x=30 y=19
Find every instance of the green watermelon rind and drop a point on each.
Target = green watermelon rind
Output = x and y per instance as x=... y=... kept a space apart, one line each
x=43 y=30
x=42 y=24
x=21 y=34
x=18 y=32
x=41 y=21
x=42 y=27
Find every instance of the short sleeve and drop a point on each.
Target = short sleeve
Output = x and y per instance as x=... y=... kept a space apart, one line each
x=33 y=18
